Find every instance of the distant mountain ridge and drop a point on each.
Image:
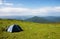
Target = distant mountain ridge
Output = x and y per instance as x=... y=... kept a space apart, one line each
x=16 y=17
x=37 y=19
x=33 y=18
x=44 y=19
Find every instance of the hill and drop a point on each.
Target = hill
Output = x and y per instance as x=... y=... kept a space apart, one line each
x=37 y=19
x=15 y=17
x=47 y=19
x=53 y=18
x=31 y=30
x=44 y=19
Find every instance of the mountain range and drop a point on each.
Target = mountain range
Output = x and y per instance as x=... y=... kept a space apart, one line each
x=44 y=19
x=15 y=17
x=34 y=18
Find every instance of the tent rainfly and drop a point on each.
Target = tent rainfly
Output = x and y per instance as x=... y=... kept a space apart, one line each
x=14 y=28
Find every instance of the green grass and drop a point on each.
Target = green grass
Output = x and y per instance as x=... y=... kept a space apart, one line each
x=31 y=30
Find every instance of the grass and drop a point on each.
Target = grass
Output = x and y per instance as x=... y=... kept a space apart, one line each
x=31 y=30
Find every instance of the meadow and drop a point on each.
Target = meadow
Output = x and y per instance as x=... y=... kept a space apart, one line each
x=31 y=30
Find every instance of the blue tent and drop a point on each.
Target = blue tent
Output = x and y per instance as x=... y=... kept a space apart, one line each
x=14 y=28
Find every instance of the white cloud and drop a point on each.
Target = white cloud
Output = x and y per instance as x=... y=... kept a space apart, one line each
x=1 y=2
x=4 y=3
x=6 y=11
x=8 y=4
x=11 y=9
x=46 y=9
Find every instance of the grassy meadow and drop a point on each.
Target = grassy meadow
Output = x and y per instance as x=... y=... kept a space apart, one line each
x=31 y=30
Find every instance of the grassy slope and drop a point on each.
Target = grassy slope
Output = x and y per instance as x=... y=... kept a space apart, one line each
x=31 y=30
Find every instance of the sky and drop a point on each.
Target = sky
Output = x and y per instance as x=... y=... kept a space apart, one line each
x=29 y=7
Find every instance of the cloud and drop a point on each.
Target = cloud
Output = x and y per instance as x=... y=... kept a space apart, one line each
x=4 y=3
x=6 y=11
x=47 y=9
x=12 y=9
x=1 y=2
x=8 y=4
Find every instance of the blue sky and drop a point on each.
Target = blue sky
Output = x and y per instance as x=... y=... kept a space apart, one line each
x=30 y=7
x=35 y=3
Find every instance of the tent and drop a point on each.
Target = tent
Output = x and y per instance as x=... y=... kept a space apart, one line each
x=14 y=28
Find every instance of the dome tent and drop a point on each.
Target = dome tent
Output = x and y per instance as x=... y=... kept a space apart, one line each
x=14 y=28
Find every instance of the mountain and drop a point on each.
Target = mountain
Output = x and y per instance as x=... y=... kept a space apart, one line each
x=37 y=19
x=44 y=19
x=15 y=17
x=53 y=18
x=34 y=18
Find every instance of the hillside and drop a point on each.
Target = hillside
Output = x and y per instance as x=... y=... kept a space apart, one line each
x=16 y=17
x=53 y=18
x=49 y=19
x=31 y=30
x=37 y=19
